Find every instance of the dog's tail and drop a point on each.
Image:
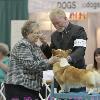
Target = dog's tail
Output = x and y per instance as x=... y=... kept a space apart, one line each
x=90 y=67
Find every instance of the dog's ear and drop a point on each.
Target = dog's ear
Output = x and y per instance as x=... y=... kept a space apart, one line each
x=68 y=51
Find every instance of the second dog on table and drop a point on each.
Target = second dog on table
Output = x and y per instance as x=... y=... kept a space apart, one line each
x=70 y=77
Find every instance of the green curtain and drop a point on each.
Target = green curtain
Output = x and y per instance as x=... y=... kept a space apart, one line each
x=11 y=10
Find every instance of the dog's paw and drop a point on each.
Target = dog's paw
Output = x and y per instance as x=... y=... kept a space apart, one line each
x=90 y=92
x=66 y=92
x=61 y=91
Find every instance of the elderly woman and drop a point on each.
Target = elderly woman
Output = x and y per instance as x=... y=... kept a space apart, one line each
x=26 y=65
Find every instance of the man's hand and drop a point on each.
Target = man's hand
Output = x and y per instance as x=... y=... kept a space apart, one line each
x=69 y=59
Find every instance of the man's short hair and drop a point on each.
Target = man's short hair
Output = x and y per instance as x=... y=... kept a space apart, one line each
x=4 y=49
x=57 y=12
x=29 y=27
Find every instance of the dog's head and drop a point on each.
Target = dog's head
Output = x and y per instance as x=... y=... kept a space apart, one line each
x=61 y=53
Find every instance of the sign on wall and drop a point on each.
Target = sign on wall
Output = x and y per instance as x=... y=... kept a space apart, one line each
x=67 y=5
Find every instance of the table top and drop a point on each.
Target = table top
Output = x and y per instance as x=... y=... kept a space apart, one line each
x=77 y=95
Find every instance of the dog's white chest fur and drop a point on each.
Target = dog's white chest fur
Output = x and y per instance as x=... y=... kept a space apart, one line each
x=64 y=62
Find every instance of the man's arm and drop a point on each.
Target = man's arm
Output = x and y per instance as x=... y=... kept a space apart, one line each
x=79 y=46
x=46 y=50
x=52 y=45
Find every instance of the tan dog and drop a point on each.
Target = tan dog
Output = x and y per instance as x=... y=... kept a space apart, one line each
x=71 y=77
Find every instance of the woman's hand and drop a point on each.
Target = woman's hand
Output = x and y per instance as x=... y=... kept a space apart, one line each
x=53 y=60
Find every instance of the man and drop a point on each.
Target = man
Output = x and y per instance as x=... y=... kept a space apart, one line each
x=67 y=36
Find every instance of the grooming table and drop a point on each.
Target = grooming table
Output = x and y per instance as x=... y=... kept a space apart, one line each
x=72 y=95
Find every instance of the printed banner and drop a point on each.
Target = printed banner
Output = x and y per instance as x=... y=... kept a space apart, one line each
x=67 y=5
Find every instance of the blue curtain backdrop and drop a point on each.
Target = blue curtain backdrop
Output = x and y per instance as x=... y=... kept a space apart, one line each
x=11 y=10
